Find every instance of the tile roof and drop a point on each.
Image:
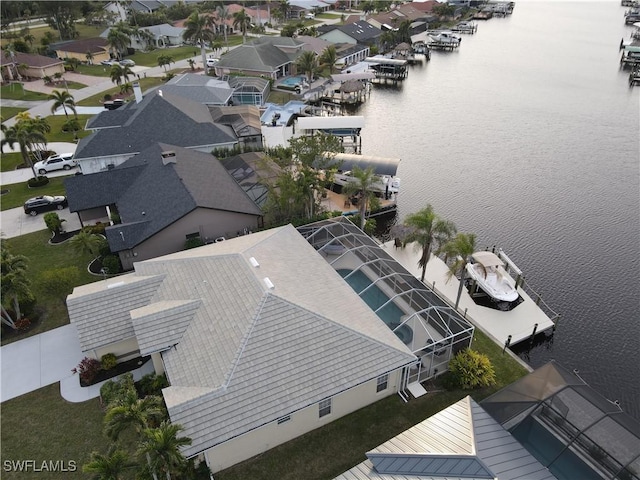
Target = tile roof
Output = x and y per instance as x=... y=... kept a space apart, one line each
x=157 y=118
x=249 y=353
x=461 y=441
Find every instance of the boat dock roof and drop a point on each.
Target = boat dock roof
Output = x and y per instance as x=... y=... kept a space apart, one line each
x=380 y=165
x=518 y=323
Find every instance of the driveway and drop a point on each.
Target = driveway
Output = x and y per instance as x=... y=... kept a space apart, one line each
x=15 y=222
x=38 y=361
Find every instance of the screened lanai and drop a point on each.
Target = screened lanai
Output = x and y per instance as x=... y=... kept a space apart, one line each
x=568 y=426
x=427 y=325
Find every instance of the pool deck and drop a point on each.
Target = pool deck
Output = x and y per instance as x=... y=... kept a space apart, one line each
x=519 y=322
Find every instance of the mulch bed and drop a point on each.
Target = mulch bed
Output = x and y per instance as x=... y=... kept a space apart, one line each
x=119 y=369
x=62 y=237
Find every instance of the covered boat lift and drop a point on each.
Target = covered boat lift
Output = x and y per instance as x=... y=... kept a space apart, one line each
x=380 y=165
x=346 y=128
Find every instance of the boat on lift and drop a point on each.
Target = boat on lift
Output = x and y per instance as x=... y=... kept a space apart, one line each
x=487 y=270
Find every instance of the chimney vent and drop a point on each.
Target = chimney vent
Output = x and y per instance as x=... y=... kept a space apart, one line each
x=137 y=91
x=168 y=156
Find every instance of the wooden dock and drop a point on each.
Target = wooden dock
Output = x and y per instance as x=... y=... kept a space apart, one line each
x=634 y=76
x=338 y=202
x=514 y=326
x=446 y=46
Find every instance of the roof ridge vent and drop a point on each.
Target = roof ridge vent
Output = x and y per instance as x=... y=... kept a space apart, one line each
x=168 y=156
x=268 y=283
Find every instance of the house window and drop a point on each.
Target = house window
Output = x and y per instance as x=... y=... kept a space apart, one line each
x=285 y=419
x=383 y=382
x=193 y=235
x=324 y=407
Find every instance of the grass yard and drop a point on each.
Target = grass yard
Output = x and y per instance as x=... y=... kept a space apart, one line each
x=41 y=426
x=43 y=257
x=96 y=100
x=9 y=162
x=21 y=192
x=8 y=112
x=330 y=450
x=15 y=91
x=150 y=59
x=84 y=31
x=57 y=121
x=94 y=70
x=75 y=85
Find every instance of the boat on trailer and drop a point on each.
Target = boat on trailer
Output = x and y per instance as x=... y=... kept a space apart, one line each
x=487 y=270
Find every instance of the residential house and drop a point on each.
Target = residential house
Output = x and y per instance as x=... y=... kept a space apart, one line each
x=122 y=9
x=358 y=32
x=158 y=117
x=461 y=441
x=269 y=57
x=80 y=49
x=163 y=196
x=29 y=65
x=155 y=36
x=244 y=120
x=260 y=338
x=199 y=88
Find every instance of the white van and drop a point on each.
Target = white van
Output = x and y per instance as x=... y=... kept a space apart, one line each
x=212 y=62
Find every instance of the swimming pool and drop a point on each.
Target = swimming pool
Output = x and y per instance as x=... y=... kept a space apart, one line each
x=543 y=445
x=391 y=315
x=292 y=81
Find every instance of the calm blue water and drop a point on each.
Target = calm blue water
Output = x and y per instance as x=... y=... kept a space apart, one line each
x=529 y=136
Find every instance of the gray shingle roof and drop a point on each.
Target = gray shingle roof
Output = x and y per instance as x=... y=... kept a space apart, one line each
x=251 y=354
x=362 y=31
x=261 y=54
x=461 y=441
x=158 y=118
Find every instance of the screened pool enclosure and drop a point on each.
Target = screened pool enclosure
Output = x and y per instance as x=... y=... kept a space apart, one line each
x=569 y=427
x=425 y=323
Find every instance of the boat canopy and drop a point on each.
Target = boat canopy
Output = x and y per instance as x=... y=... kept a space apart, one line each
x=330 y=123
x=380 y=165
x=487 y=259
x=343 y=77
x=379 y=60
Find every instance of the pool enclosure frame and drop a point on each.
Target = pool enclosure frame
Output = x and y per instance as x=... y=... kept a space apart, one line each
x=437 y=331
x=587 y=425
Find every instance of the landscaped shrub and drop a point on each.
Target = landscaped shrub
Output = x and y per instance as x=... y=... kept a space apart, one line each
x=112 y=390
x=111 y=263
x=104 y=249
x=107 y=97
x=470 y=369
x=23 y=324
x=88 y=368
x=152 y=384
x=38 y=182
x=71 y=125
x=193 y=243
x=97 y=229
x=115 y=218
x=108 y=361
x=53 y=222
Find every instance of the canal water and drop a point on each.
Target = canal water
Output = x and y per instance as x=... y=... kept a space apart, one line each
x=529 y=136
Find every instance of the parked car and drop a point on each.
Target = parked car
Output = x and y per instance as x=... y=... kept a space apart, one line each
x=36 y=205
x=127 y=63
x=64 y=161
x=108 y=63
x=212 y=62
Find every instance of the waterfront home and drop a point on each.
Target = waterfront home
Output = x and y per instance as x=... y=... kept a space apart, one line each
x=199 y=88
x=163 y=197
x=359 y=32
x=260 y=338
x=158 y=117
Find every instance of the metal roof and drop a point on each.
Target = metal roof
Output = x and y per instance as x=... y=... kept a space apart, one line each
x=461 y=441
x=380 y=165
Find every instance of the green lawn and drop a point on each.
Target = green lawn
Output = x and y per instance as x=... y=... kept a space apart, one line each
x=9 y=162
x=42 y=426
x=43 y=257
x=57 y=121
x=96 y=100
x=14 y=91
x=150 y=59
x=94 y=70
x=75 y=85
x=21 y=192
x=7 y=112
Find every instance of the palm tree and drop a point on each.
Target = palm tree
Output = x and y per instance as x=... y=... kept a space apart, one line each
x=85 y=242
x=126 y=73
x=29 y=134
x=116 y=74
x=223 y=15
x=329 y=58
x=365 y=178
x=64 y=99
x=162 y=446
x=284 y=8
x=89 y=57
x=109 y=466
x=15 y=284
x=192 y=64
x=126 y=88
x=131 y=411
x=307 y=63
x=165 y=60
x=242 y=21
x=428 y=229
x=458 y=249
x=118 y=39
x=199 y=30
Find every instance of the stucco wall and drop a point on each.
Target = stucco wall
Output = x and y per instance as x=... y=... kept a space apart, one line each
x=301 y=422
x=210 y=224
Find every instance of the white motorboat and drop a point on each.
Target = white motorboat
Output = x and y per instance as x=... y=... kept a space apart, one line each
x=384 y=184
x=445 y=37
x=488 y=271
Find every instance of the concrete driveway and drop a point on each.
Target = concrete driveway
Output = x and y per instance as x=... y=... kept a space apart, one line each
x=38 y=361
x=15 y=222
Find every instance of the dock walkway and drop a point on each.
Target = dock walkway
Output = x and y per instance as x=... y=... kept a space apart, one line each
x=518 y=323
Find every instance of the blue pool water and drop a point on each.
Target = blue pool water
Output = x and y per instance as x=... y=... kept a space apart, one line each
x=543 y=445
x=292 y=81
x=375 y=298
